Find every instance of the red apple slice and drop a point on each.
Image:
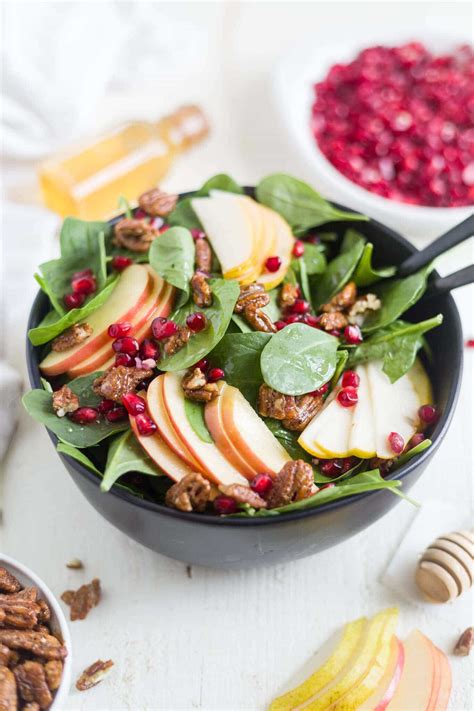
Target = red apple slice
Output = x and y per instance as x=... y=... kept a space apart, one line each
x=123 y=304
x=419 y=684
x=215 y=466
x=381 y=698
x=249 y=434
x=445 y=681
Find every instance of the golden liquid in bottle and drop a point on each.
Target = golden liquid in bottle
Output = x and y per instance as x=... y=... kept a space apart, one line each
x=87 y=180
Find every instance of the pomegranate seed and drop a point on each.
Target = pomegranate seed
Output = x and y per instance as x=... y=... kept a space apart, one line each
x=145 y=425
x=225 y=505
x=300 y=307
x=164 y=229
x=74 y=301
x=84 y=285
x=119 y=329
x=196 y=321
x=470 y=343
x=126 y=345
x=273 y=264
x=280 y=324
x=133 y=403
x=313 y=239
x=321 y=391
x=117 y=414
x=215 y=374
x=336 y=467
x=162 y=328
x=428 y=414
x=85 y=415
x=347 y=397
x=396 y=442
x=331 y=485
x=312 y=321
x=149 y=349
x=262 y=484
x=335 y=333
x=105 y=405
x=350 y=379
x=140 y=214
x=202 y=364
x=83 y=273
x=298 y=248
x=124 y=359
x=417 y=439
x=197 y=234
x=353 y=335
x=119 y=263
x=292 y=318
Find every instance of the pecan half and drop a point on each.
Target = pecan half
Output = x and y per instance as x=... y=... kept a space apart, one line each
x=358 y=312
x=82 y=600
x=343 y=300
x=174 y=343
x=8 y=695
x=197 y=388
x=244 y=495
x=93 y=674
x=21 y=615
x=157 y=203
x=288 y=295
x=136 y=235
x=203 y=255
x=191 y=493
x=30 y=594
x=260 y=320
x=293 y=482
x=8 y=582
x=32 y=685
x=64 y=401
x=43 y=645
x=53 y=671
x=333 y=320
x=31 y=706
x=251 y=295
x=5 y=656
x=118 y=381
x=464 y=643
x=71 y=337
x=68 y=596
x=306 y=408
x=271 y=403
x=202 y=293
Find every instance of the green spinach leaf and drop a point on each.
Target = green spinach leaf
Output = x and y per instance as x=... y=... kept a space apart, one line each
x=183 y=214
x=313 y=258
x=126 y=455
x=365 y=274
x=225 y=293
x=239 y=355
x=340 y=269
x=124 y=205
x=300 y=205
x=342 y=357
x=298 y=359
x=172 y=256
x=78 y=455
x=406 y=456
x=288 y=439
x=299 y=268
x=195 y=414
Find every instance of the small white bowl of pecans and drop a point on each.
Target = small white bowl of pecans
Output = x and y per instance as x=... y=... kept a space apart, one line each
x=35 y=643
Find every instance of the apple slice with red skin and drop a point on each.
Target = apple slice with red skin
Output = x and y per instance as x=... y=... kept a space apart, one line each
x=215 y=466
x=125 y=301
x=419 y=684
x=445 y=681
x=248 y=433
x=385 y=692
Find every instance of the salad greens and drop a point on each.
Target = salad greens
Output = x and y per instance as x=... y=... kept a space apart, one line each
x=172 y=257
x=183 y=214
x=195 y=414
x=239 y=355
x=126 y=455
x=340 y=269
x=365 y=274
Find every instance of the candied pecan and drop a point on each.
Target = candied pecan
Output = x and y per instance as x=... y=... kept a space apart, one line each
x=43 y=645
x=64 y=401
x=260 y=320
x=157 y=203
x=333 y=320
x=68 y=596
x=44 y=614
x=251 y=295
x=174 y=343
x=32 y=685
x=5 y=655
x=118 y=381
x=8 y=582
x=30 y=594
x=369 y=302
x=288 y=295
x=293 y=482
x=191 y=493
x=343 y=300
x=202 y=294
x=93 y=674
x=306 y=406
x=203 y=255
x=53 y=671
x=271 y=403
x=136 y=235
x=464 y=643
x=197 y=388
x=42 y=628
x=244 y=495
x=384 y=465
x=31 y=706
x=84 y=599
x=8 y=694
x=22 y=615
x=71 y=337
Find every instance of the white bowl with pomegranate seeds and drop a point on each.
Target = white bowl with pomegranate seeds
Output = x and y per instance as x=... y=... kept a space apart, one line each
x=293 y=81
x=58 y=623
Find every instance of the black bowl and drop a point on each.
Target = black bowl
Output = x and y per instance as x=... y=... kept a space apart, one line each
x=233 y=543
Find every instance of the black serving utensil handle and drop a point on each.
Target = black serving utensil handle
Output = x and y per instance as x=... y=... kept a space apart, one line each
x=441 y=285
x=450 y=239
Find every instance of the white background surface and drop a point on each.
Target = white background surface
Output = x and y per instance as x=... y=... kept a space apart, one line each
x=220 y=640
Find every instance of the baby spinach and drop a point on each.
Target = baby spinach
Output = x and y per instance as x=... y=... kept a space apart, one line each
x=172 y=256
x=299 y=268
x=53 y=324
x=342 y=357
x=397 y=296
x=239 y=355
x=418 y=449
x=288 y=439
x=79 y=238
x=300 y=205
x=183 y=214
x=365 y=274
x=397 y=344
x=225 y=293
x=298 y=359
x=195 y=414
x=78 y=455
x=126 y=455
x=340 y=269
x=124 y=205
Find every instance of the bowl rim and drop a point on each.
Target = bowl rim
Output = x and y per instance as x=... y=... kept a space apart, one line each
x=64 y=687
x=209 y=519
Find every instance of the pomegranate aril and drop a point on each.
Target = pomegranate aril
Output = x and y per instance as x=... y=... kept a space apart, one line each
x=140 y=214
x=162 y=328
x=417 y=439
x=134 y=404
x=145 y=425
x=347 y=397
x=82 y=273
x=353 y=335
x=197 y=234
x=215 y=374
x=335 y=332
x=298 y=248
x=124 y=359
x=321 y=391
x=115 y=330
x=196 y=321
x=350 y=378
x=292 y=318
x=85 y=415
x=120 y=262
x=326 y=486
x=149 y=349
x=117 y=414
x=311 y=320
x=300 y=307
x=74 y=301
x=202 y=364
x=273 y=264
x=225 y=505
x=396 y=442
x=105 y=405
x=336 y=467
x=280 y=324
x=83 y=285
x=126 y=345
x=262 y=484
x=428 y=414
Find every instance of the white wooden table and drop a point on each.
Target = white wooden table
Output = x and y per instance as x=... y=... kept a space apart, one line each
x=221 y=640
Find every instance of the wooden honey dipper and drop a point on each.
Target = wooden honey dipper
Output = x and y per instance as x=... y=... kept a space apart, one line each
x=446 y=568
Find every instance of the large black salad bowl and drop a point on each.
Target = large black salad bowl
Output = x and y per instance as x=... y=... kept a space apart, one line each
x=232 y=543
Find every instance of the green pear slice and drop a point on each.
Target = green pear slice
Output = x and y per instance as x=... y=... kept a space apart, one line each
x=362 y=438
x=329 y=431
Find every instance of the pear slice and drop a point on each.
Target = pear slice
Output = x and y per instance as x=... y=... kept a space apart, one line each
x=283 y=248
x=362 y=434
x=328 y=432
